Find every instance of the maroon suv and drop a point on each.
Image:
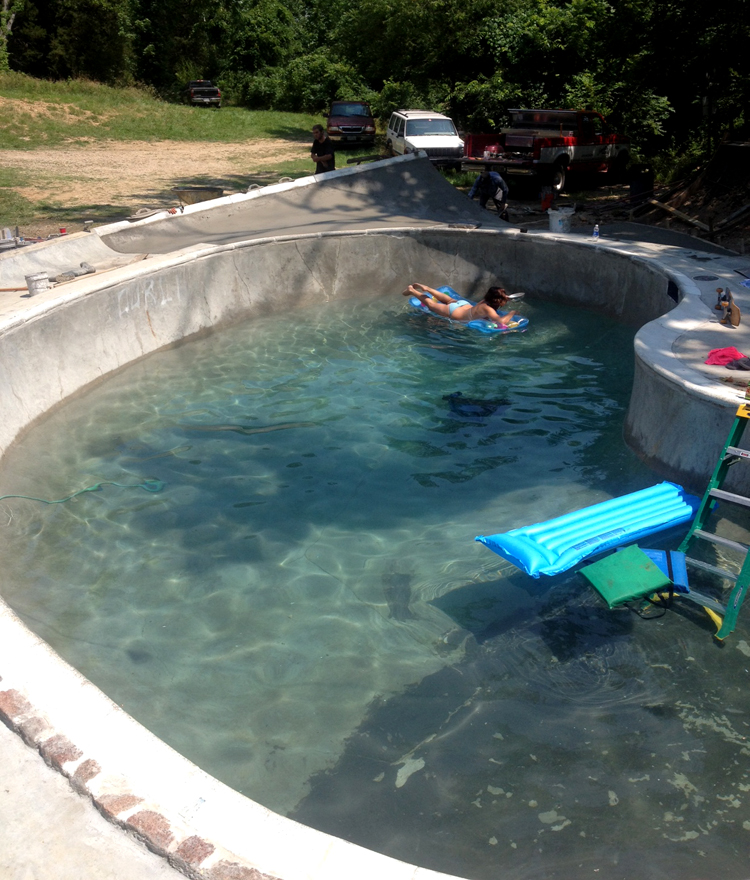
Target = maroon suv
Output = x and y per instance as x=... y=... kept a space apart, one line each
x=351 y=122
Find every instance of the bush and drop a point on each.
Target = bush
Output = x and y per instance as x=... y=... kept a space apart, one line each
x=679 y=162
x=407 y=96
x=306 y=85
x=395 y=96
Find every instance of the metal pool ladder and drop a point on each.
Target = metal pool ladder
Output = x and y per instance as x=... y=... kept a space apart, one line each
x=723 y=616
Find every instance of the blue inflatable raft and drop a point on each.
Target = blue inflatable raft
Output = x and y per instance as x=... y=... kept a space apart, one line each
x=556 y=545
x=518 y=325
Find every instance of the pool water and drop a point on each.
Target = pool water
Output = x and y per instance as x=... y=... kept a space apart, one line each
x=302 y=609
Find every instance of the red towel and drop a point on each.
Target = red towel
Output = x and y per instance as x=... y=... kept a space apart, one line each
x=723 y=356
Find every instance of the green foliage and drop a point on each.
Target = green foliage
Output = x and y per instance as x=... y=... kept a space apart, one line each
x=12 y=204
x=678 y=163
x=406 y=95
x=540 y=44
x=421 y=42
x=93 y=39
x=8 y=11
x=664 y=72
x=28 y=42
x=643 y=115
x=264 y=34
x=306 y=84
x=482 y=105
x=396 y=96
x=179 y=40
x=74 y=38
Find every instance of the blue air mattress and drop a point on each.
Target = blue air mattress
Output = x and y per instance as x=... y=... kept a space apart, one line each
x=558 y=544
x=518 y=325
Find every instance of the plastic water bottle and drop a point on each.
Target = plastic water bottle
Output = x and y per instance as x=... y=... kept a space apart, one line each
x=596 y=231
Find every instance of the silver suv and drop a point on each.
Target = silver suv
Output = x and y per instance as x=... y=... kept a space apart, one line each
x=435 y=134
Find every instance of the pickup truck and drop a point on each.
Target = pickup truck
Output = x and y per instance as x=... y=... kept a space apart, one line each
x=548 y=144
x=203 y=91
x=351 y=122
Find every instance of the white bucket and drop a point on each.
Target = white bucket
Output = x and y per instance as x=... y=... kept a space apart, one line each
x=37 y=282
x=559 y=219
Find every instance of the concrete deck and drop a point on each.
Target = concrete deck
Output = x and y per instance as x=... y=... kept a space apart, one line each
x=50 y=832
x=170 y=276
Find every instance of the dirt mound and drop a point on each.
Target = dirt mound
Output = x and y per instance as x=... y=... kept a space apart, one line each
x=716 y=200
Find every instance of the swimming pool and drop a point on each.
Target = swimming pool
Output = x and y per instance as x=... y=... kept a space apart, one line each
x=303 y=612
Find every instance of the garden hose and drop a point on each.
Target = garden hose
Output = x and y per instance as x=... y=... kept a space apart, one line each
x=146 y=485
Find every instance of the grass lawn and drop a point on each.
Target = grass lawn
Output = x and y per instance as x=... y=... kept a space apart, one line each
x=38 y=113
x=14 y=208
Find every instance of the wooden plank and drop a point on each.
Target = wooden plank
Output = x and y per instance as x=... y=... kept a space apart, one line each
x=732 y=217
x=357 y=160
x=679 y=215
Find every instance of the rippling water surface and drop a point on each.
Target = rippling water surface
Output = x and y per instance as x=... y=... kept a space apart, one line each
x=303 y=611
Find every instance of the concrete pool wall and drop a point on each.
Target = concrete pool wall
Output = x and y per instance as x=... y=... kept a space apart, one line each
x=60 y=343
x=64 y=339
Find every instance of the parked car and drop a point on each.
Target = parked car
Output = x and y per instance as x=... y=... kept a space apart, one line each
x=547 y=144
x=351 y=122
x=203 y=91
x=412 y=130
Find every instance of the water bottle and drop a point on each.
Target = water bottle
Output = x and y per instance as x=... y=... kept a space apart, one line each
x=596 y=231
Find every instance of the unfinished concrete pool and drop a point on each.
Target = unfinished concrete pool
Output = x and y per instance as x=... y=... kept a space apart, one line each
x=299 y=608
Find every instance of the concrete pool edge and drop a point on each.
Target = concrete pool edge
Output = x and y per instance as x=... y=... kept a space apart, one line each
x=203 y=827
x=135 y=779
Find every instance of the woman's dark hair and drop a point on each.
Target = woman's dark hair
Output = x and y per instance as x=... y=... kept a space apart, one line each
x=496 y=295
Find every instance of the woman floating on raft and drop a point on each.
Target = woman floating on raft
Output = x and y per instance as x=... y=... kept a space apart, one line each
x=458 y=309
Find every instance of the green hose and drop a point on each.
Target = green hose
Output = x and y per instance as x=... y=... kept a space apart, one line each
x=146 y=485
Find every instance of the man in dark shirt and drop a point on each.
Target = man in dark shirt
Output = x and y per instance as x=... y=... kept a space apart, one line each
x=489 y=185
x=322 y=151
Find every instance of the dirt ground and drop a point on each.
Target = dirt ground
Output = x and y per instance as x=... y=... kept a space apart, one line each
x=105 y=182
x=110 y=181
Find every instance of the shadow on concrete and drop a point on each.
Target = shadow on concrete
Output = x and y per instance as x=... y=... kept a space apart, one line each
x=392 y=193
x=639 y=232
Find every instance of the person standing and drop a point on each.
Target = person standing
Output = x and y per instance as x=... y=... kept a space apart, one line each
x=322 y=151
x=489 y=185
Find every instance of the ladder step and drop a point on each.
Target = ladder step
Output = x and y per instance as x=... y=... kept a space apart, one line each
x=729 y=496
x=725 y=542
x=730 y=455
x=705 y=566
x=704 y=600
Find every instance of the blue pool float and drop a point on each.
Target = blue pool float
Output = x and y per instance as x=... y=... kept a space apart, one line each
x=518 y=325
x=556 y=545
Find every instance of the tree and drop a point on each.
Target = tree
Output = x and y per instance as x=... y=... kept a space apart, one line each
x=74 y=38
x=179 y=40
x=93 y=39
x=8 y=11
x=423 y=42
x=670 y=73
